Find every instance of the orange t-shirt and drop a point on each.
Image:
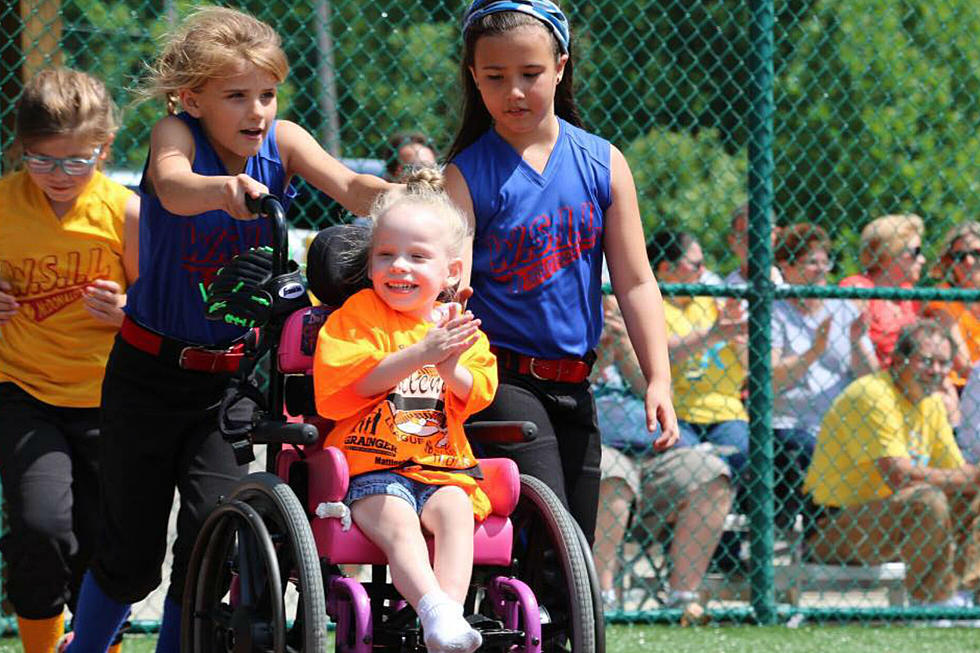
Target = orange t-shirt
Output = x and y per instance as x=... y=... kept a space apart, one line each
x=969 y=328
x=416 y=428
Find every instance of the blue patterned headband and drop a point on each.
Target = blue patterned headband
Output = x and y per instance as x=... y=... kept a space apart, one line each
x=544 y=10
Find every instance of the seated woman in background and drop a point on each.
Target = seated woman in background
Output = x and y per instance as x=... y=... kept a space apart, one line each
x=818 y=347
x=686 y=489
x=891 y=256
x=959 y=267
x=708 y=353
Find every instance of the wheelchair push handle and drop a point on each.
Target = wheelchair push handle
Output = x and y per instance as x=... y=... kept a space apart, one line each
x=270 y=206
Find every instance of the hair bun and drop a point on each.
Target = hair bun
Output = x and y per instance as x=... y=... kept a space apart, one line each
x=427 y=179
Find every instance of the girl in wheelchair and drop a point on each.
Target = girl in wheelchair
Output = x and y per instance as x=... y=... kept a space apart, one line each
x=400 y=371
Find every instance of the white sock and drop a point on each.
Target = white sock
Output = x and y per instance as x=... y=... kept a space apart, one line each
x=446 y=631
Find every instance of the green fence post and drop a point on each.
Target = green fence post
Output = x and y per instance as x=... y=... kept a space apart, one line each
x=760 y=308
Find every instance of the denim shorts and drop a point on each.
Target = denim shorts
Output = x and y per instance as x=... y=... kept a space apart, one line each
x=387 y=482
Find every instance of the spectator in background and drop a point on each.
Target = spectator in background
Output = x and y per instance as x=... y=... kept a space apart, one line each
x=818 y=347
x=708 y=352
x=968 y=432
x=891 y=255
x=688 y=488
x=959 y=267
x=738 y=240
x=408 y=150
x=889 y=481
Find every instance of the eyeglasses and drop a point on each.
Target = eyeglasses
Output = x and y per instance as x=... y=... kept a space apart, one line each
x=960 y=255
x=72 y=166
x=929 y=362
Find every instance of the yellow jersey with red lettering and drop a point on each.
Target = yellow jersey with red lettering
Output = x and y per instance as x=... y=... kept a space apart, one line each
x=52 y=347
x=414 y=429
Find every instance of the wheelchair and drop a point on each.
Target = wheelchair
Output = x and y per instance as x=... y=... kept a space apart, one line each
x=265 y=573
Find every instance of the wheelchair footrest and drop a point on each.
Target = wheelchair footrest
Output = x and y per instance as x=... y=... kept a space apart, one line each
x=495 y=636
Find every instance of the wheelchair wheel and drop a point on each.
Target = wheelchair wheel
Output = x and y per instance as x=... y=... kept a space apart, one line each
x=550 y=558
x=251 y=549
x=593 y=575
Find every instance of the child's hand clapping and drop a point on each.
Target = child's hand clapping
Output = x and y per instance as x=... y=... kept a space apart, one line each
x=454 y=332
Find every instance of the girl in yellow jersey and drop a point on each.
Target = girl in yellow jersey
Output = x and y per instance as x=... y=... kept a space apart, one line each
x=68 y=250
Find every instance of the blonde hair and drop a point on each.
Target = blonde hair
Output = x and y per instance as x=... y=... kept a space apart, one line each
x=64 y=101
x=887 y=236
x=424 y=188
x=206 y=46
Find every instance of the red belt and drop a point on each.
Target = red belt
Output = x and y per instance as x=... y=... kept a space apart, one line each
x=561 y=370
x=181 y=354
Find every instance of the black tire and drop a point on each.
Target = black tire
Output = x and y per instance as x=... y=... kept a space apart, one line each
x=549 y=557
x=219 y=613
x=599 y=615
x=221 y=561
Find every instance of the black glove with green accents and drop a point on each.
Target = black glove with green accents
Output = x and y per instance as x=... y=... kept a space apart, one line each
x=238 y=294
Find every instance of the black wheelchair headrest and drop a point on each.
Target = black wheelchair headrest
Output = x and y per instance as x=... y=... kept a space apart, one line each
x=332 y=273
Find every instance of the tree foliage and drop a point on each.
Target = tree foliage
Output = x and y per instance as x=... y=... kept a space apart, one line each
x=875 y=99
x=688 y=182
x=877 y=113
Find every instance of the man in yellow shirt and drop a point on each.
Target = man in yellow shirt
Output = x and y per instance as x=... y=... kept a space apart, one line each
x=889 y=480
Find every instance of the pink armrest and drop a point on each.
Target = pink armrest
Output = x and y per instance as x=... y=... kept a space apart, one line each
x=329 y=476
x=502 y=483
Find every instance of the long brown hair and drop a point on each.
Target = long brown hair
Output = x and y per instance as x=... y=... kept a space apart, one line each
x=475 y=118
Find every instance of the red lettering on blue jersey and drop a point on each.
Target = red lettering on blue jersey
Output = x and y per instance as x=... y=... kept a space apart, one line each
x=532 y=252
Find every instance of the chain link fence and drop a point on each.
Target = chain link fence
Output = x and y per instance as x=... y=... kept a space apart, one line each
x=823 y=116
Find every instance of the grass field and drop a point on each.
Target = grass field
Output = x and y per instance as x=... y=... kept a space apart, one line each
x=735 y=639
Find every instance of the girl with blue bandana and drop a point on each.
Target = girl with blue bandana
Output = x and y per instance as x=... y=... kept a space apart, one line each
x=546 y=200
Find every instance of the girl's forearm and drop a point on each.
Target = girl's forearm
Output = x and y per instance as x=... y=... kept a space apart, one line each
x=363 y=190
x=389 y=372
x=188 y=193
x=643 y=311
x=458 y=380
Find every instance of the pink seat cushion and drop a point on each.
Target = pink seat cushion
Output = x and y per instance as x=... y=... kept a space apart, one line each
x=492 y=540
x=328 y=481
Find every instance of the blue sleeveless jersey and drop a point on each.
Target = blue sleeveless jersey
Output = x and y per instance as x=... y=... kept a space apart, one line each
x=537 y=250
x=179 y=253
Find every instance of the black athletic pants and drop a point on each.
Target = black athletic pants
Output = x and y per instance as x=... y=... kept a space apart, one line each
x=567 y=451
x=159 y=433
x=49 y=471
